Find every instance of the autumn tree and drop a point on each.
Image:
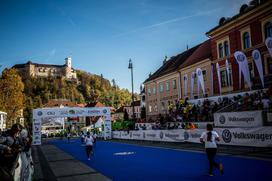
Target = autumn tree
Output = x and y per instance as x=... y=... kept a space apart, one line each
x=11 y=95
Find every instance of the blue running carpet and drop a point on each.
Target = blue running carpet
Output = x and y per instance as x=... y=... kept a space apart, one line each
x=124 y=162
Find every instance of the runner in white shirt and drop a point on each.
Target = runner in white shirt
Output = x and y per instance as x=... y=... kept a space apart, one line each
x=89 y=145
x=210 y=137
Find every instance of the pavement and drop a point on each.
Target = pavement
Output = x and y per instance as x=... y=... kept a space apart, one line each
x=52 y=164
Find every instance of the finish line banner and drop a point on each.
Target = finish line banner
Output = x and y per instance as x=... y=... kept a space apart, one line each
x=257 y=137
x=245 y=119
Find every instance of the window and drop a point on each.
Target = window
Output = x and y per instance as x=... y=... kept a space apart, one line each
x=246 y=40
x=150 y=108
x=269 y=65
x=220 y=50
x=226 y=48
x=154 y=90
x=224 y=78
x=268 y=30
x=149 y=91
x=161 y=87
x=155 y=108
x=174 y=84
x=167 y=86
x=162 y=106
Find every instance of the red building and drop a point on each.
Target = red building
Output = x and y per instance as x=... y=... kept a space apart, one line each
x=244 y=32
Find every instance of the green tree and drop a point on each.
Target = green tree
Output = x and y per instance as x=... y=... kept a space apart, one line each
x=11 y=95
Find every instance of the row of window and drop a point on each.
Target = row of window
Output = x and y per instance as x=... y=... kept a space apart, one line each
x=223 y=47
x=161 y=87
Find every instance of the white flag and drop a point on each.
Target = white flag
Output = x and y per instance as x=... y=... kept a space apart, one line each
x=211 y=79
x=268 y=43
x=228 y=72
x=200 y=80
x=258 y=62
x=243 y=66
x=185 y=85
x=218 y=76
x=192 y=84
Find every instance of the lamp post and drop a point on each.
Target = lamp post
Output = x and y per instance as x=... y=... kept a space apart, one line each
x=132 y=94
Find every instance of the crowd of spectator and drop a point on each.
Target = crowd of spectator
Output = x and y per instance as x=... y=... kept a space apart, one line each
x=184 y=114
x=13 y=142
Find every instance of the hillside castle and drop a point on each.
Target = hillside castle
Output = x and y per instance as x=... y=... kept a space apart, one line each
x=47 y=70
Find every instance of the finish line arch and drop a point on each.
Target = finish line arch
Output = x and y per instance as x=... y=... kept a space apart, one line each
x=40 y=113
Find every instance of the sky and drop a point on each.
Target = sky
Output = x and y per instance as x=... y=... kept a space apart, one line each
x=102 y=35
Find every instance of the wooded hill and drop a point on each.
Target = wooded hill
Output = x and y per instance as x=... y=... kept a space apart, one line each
x=88 y=88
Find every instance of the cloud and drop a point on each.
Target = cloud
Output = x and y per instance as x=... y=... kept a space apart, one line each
x=167 y=22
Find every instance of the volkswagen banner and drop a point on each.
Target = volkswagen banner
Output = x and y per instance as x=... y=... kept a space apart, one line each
x=245 y=119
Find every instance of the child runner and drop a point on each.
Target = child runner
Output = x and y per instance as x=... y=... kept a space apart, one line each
x=210 y=137
x=89 y=144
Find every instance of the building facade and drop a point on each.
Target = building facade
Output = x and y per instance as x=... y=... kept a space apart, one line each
x=47 y=70
x=244 y=32
x=137 y=110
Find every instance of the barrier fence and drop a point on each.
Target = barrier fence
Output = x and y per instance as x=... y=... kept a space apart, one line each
x=257 y=137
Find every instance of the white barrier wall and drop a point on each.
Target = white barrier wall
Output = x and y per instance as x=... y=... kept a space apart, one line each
x=258 y=137
x=245 y=119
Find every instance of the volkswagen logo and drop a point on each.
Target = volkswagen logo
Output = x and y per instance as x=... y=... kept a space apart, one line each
x=161 y=135
x=222 y=119
x=240 y=58
x=226 y=135
x=105 y=111
x=186 y=135
x=39 y=113
x=256 y=55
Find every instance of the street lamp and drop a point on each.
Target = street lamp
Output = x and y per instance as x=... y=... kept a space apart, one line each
x=132 y=94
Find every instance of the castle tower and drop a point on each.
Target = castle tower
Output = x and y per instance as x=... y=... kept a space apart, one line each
x=68 y=62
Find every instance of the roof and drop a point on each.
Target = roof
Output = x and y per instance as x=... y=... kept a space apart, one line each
x=201 y=53
x=246 y=10
x=173 y=64
x=37 y=64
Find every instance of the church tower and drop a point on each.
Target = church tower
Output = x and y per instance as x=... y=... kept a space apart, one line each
x=68 y=62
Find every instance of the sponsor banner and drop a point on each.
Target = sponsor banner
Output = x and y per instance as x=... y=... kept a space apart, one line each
x=243 y=119
x=39 y=114
x=258 y=62
x=243 y=67
x=36 y=132
x=258 y=137
x=70 y=112
x=193 y=135
x=151 y=135
x=269 y=117
x=107 y=128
